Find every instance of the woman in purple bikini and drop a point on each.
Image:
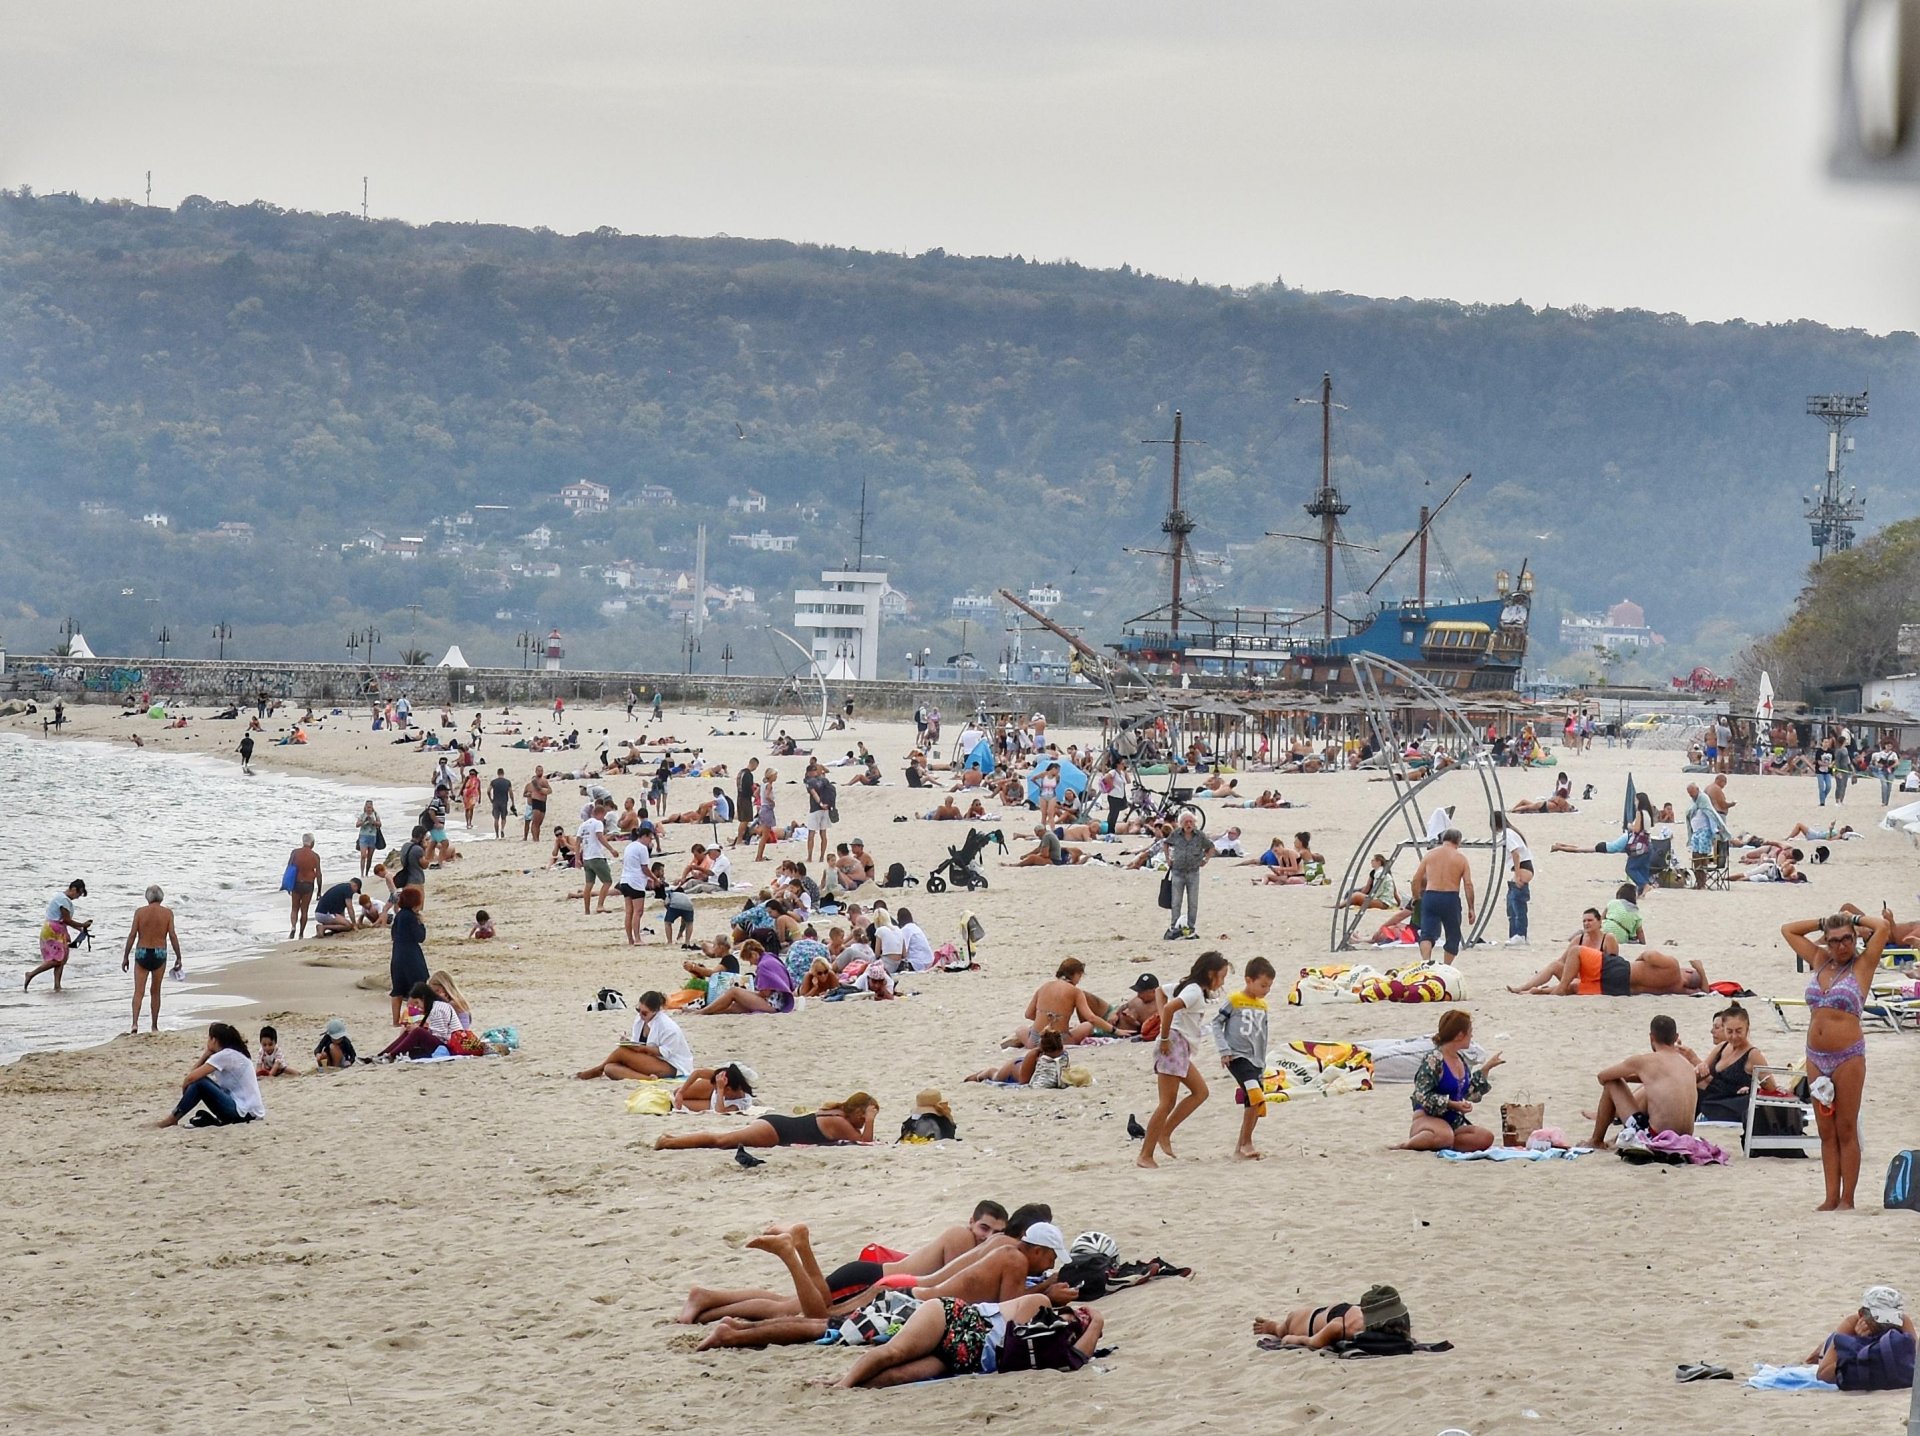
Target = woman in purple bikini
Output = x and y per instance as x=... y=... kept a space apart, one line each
x=1843 y=957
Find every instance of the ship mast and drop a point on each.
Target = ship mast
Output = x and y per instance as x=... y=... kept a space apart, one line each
x=1327 y=505
x=1178 y=526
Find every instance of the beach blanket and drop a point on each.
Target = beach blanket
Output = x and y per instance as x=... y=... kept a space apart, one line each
x=1672 y=1148
x=1517 y=1154
x=1787 y=1378
x=1413 y=982
x=1363 y=1348
x=1317 y=1069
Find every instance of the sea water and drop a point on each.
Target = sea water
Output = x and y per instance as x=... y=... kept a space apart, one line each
x=120 y=818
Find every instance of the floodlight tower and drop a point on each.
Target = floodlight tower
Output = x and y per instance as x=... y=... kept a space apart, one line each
x=1832 y=513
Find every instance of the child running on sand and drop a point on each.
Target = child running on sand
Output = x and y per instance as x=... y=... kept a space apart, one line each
x=1183 y=1027
x=1240 y=1034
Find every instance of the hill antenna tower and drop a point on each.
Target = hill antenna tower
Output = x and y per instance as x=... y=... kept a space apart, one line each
x=1831 y=512
x=363 y=199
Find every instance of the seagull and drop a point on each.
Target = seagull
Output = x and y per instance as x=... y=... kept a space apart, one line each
x=743 y=434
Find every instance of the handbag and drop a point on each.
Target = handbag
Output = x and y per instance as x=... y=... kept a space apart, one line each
x=1638 y=844
x=1519 y=1121
x=287 y=879
x=1166 y=893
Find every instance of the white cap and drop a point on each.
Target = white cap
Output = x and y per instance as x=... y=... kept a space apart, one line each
x=1884 y=1305
x=1046 y=1234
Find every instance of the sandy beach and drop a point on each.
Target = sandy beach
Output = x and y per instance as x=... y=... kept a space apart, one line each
x=490 y=1241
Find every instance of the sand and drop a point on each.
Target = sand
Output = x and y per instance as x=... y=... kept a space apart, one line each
x=490 y=1242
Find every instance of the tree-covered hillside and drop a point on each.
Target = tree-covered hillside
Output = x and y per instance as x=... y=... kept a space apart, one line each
x=317 y=378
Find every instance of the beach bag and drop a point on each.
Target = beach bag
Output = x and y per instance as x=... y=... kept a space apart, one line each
x=927 y=1127
x=1044 y=1344
x=1902 y=1188
x=466 y=1043
x=1638 y=844
x=896 y=876
x=1166 y=893
x=507 y=1037
x=1519 y=1121
x=286 y=879
x=879 y=1318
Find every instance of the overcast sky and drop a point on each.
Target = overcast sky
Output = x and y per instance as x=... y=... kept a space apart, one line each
x=1608 y=152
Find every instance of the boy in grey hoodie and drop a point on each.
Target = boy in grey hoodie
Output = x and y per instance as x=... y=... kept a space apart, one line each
x=1240 y=1034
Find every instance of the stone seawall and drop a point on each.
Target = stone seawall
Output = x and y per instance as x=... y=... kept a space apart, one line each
x=203 y=681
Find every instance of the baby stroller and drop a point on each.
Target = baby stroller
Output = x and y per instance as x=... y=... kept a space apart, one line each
x=963 y=863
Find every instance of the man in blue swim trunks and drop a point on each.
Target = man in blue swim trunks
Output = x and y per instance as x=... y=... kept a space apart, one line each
x=1442 y=880
x=147 y=942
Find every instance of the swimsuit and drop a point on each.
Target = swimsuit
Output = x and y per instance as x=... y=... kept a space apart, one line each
x=795 y=1131
x=1722 y=1099
x=1454 y=1089
x=966 y=1338
x=151 y=959
x=1843 y=996
x=1604 y=974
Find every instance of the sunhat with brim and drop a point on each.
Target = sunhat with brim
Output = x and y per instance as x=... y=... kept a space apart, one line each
x=1382 y=1304
x=337 y=1028
x=931 y=1101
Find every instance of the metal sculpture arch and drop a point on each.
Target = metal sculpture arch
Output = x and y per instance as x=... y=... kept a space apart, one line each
x=802 y=696
x=1375 y=676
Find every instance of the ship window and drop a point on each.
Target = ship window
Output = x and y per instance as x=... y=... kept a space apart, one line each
x=1406 y=635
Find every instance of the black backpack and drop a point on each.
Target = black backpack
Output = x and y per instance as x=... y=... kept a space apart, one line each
x=1044 y=1344
x=896 y=876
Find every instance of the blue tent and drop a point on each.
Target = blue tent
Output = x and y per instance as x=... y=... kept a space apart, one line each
x=1072 y=779
x=981 y=757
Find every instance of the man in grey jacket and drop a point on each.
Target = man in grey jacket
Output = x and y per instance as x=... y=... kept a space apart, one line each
x=1188 y=849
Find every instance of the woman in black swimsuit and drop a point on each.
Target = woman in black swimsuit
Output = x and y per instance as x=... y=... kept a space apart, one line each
x=1380 y=1309
x=848 y=1121
x=1726 y=1077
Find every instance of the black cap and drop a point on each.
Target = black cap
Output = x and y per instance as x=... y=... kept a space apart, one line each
x=1145 y=982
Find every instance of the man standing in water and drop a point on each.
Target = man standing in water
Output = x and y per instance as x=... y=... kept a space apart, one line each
x=147 y=942
x=246 y=752
x=305 y=862
x=1443 y=876
x=57 y=933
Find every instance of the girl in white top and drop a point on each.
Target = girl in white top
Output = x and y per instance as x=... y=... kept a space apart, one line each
x=223 y=1081
x=443 y=987
x=1183 y=1029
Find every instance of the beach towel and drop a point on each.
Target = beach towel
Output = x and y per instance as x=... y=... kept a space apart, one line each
x=1787 y=1378
x=1367 y=1344
x=1122 y=1275
x=1516 y=1154
x=1414 y=982
x=1317 y=1069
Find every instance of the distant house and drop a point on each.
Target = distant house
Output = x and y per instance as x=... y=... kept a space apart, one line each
x=1043 y=597
x=765 y=542
x=751 y=502
x=407 y=545
x=237 y=532
x=540 y=538
x=99 y=509
x=374 y=540
x=894 y=603
x=658 y=495
x=1622 y=626
x=537 y=568
x=155 y=520
x=584 y=496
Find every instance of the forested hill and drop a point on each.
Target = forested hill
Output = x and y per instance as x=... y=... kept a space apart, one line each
x=316 y=377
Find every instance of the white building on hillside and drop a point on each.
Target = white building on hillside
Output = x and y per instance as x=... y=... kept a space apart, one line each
x=763 y=541
x=584 y=496
x=839 y=622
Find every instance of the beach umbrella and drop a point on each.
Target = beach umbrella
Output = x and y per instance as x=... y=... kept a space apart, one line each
x=1763 y=700
x=1626 y=814
x=981 y=757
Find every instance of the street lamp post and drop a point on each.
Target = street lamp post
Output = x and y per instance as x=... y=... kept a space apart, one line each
x=164 y=637
x=525 y=643
x=688 y=641
x=726 y=660
x=373 y=640
x=222 y=632
x=354 y=645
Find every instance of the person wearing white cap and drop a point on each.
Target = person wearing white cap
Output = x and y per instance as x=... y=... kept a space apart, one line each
x=1002 y=1273
x=1871 y=1349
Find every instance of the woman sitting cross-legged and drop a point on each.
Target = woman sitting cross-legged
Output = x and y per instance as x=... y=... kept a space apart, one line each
x=772 y=989
x=1445 y=1087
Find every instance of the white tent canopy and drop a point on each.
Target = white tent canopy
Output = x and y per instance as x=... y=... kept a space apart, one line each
x=77 y=648
x=454 y=659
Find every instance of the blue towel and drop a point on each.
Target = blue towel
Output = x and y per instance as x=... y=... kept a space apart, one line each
x=1515 y=1154
x=1787 y=1378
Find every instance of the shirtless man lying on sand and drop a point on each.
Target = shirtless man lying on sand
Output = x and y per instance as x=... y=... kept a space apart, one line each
x=1668 y=1091
x=854 y=1279
x=1592 y=966
x=1059 y=1005
x=997 y=1270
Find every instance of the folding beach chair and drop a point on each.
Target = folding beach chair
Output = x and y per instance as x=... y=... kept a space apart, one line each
x=1777 y=1123
x=1720 y=869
